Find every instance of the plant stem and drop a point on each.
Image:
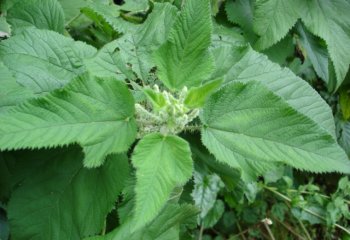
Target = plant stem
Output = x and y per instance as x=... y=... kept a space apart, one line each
x=104 y=228
x=290 y=229
x=269 y=231
x=201 y=232
x=241 y=233
x=304 y=229
x=73 y=19
x=192 y=128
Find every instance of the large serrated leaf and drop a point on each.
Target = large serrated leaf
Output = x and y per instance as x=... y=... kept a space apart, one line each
x=42 y=14
x=184 y=60
x=43 y=60
x=241 y=12
x=330 y=21
x=273 y=19
x=162 y=163
x=108 y=13
x=244 y=64
x=61 y=199
x=11 y=93
x=326 y=19
x=243 y=121
x=96 y=113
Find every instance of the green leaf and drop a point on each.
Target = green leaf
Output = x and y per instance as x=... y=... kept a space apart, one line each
x=330 y=21
x=5 y=28
x=206 y=188
x=344 y=101
x=156 y=98
x=197 y=95
x=214 y=214
x=63 y=200
x=42 y=14
x=11 y=93
x=160 y=228
x=108 y=13
x=184 y=60
x=162 y=163
x=243 y=120
x=135 y=5
x=279 y=52
x=315 y=51
x=132 y=52
x=273 y=19
x=295 y=91
x=205 y=160
x=96 y=113
x=228 y=47
x=326 y=19
x=344 y=138
x=72 y=8
x=43 y=61
x=242 y=13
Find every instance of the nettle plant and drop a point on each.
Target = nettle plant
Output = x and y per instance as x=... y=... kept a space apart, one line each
x=79 y=126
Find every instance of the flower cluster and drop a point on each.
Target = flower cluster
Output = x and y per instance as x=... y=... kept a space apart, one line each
x=170 y=118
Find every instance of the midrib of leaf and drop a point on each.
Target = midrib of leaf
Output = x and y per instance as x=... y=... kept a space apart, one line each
x=155 y=172
x=137 y=55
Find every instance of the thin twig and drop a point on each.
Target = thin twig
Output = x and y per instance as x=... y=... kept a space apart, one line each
x=73 y=19
x=305 y=209
x=269 y=231
x=241 y=233
x=201 y=232
x=290 y=229
x=304 y=229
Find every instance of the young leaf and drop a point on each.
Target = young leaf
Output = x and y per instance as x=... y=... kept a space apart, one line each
x=184 y=60
x=156 y=98
x=197 y=95
x=63 y=200
x=43 y=60
x=243 y=120
x=162 y=163
x=96 y=113
x=42 y=14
